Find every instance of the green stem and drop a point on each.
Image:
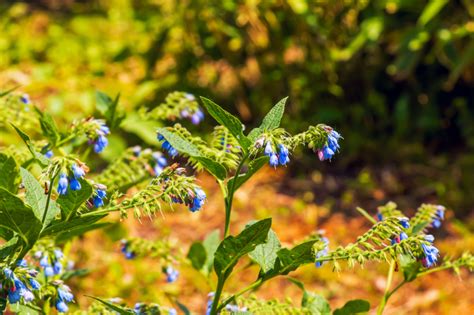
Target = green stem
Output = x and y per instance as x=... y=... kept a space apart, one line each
x=217 y=296
x=387 y=288
x=236 y=295
x=230 y=195
x=46 y=208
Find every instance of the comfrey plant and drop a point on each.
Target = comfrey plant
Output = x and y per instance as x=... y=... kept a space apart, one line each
x=50 y=192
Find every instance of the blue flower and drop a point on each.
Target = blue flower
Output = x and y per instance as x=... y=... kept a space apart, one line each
x=64 y=294
x=431 y=255
x=160 y=159
x=22 y=263
x=99 y=195
x=210 y=299
x=268 y=149
x=167 y=146
x=430 y=238
x=283 y=157
x=189 y=96
x=34 y=284
x=171 y=274
x=74 y=184
x=198 y=200
x=404 y=223
x=197 y=117
x=439 y=216
x=379 y=216
x=48 y=271
x=62 y=184
x=137 y=150
x=61 y=306
x=403 y=236
x=25 y=98
x=124 y=249
x=172 y=311
x=322 y=252
x=57 y=267
x=139 y=308
x=273 y=160
x=100 y=144
x=49 y=154
x=78 y=171
x=331 y=147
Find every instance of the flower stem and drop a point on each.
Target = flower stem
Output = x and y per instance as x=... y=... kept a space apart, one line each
x=217 y=296
x=46 y=208
x=248 y=288
x=387 y=288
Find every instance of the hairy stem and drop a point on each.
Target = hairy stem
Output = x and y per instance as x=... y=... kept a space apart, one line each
x=217 y=296
x=387 y=288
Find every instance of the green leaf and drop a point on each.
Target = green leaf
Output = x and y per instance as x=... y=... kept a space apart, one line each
x=353 y=307
x=119 y=309
x=79 y=230
x=290 y=259
x=410 y=266
x=186 y=147
x=58 y=227
x=10 y=173
x=270 y=121
x=233 y=248
x=266 y=254
x=37 y=199
x=431 y=10
x=43 y=161
x=211 y=243
x=48 y=126
x=9 y=248
x=227 y=120
x=253 y=167
x=315 y=303
x=108 y=108
x=197 y=255
x=18 y=217
x=71 y=201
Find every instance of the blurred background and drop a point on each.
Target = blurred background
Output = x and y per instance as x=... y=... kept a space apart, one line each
x=395 y=77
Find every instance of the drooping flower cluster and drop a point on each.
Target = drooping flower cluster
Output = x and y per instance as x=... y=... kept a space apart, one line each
x=76 y=173
x=431 y=255
x=167 y=146
x=129 y=254
x=63 y=298
x=277 y=157
x=195 y=200
x=97 y=134
x=331 y=146
x=195 y=116
x=171 y=274
x=160 y=161
x=439 y=216
x=51 y=263
x=323 y=252
x=21 y=284
x=99 y=195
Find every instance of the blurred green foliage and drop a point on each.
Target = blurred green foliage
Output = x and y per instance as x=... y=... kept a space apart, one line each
x=395 y=76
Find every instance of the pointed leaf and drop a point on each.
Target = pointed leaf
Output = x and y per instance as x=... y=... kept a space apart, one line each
x=211 y=243
x=270 y=121
x=353 y=307
x=10 y=173
x=71 y=201
x=77 y=231
x=186 y=147
x=37 y=199
x=48 y=126
x=18 y=217
x=58 y=227
x=233 y=248
x=43 y=161
x=227 y=120
x=119 y=309
x=266 y=254
x=197 y=255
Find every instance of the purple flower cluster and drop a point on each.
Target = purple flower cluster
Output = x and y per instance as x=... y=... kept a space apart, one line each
x=20 y=288
x=51 y=265
x=126 y=251
x=77 y=173
x=331 y=147
x=439 y=216
x=100 y=140
x=194 y=201
x=171 y=274
x=64 y=296
x=323 y=252
x=277 y=157
x=99 y=196
x=167 y=146
x=160 y=161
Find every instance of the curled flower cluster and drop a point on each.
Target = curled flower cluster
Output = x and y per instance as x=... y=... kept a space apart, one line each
x=76 y=173
x=98 y=137
x=160 y=161
x=323 y=252
x=99 y=195
x=331 y=146
x=126 y=250
x=63 y=297
x=195 y=200
x=51 y=264
x=195 y=116
x=19 y=287
x=171 y=274
x=167 y=146
x=439 y=216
